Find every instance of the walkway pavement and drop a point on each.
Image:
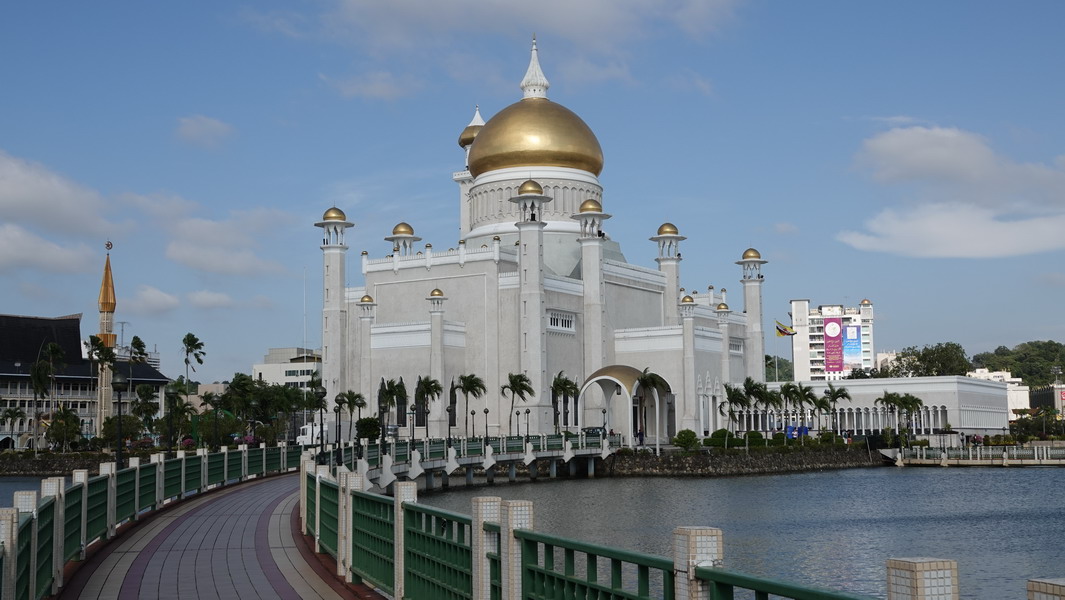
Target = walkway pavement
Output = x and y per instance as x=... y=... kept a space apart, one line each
x=240 y=542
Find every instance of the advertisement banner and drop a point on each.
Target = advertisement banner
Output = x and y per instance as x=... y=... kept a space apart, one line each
x=852 y=347
x=833 y=345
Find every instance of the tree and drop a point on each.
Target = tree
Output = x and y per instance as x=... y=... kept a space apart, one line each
x=215 y=402
x=646 y=382
x=1032 y=361
x=518 y=386
x=64 y=429
x=94 y=349
x=778 y=368
x=834 y=394
x=192 y=347
x=391 y=394
x=757 y=394
x=470 y=385
x=734 y=401
x=903 y=406
x=565 y=388
x=145 y=406
x=946 y=358
x=40 y=376
x=53 y=354
x=11 y=416
x=426 y=390
x=353 y=401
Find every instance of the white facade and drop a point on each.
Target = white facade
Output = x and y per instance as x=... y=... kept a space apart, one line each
x=1015 y=388
x=290 y=367
x=535 y=285
x=831 y=341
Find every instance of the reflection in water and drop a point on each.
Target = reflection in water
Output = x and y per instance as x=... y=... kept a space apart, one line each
x=832 y=529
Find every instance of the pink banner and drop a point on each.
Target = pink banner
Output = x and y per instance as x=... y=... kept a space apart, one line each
x=833 y=345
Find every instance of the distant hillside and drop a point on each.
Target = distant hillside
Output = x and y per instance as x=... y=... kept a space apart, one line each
x=1031 y=361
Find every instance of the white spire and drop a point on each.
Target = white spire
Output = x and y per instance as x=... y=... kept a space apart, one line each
x=535 y=83
x=477 y=120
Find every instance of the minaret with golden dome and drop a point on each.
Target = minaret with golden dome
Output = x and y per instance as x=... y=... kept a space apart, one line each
x=668 y=238
x=334 y=308
x=107 y=304
x=752 y=262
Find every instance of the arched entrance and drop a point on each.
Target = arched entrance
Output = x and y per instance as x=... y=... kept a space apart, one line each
x=617 y=386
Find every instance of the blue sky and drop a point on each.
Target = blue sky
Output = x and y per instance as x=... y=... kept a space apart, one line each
x=912 y=153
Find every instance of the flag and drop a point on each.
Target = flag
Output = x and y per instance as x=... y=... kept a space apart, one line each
x=784 y=331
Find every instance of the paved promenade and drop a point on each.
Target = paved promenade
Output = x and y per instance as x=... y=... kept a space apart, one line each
x=242 y=542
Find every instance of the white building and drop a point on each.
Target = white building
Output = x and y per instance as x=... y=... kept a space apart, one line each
x=536 y=285
x=1015 y=388
x=290 y=367
x=831 y=341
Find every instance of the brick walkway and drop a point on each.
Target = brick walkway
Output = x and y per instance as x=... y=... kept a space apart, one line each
x=241 y=542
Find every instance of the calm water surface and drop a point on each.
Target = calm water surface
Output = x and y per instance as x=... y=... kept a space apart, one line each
x=833 y=529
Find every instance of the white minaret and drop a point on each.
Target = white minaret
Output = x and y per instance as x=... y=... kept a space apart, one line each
x=752 y=262
x=689 y=416
x=722 y=323
x=591 y=217
x=668 y=260
x=437 y=416
x=531 y=312
x=463 y=177
x=107 y=305
x=334 y=310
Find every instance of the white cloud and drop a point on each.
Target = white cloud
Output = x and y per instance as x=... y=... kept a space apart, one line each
x=379 y=85
x=202 y=131
x=785 y=228
x=21 y=249
x=226 y=247
x=587 y=72
x=30 y=193
x=209 y=299
x=963 y=199
x=149 y=300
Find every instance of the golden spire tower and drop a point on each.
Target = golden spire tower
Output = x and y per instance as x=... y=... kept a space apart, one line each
x=107 y=305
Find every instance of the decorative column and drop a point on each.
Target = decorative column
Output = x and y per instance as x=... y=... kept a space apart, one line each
x=514 y=514
x=922 y=579
x=591 y=217
x=722 y=323
x=754 y=348
x=532 y=316
x=689 y=418
x=1046 y=589
x=334 y=307
x=437 y=418
x=695 y=547
x=669 y=239
x=107 y=306
x=404 y=491
x=485 y=508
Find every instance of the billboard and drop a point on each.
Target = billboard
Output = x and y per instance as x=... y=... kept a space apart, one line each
x=852 y=347
x=833 y=345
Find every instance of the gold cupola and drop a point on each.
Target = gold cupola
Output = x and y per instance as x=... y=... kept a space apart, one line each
x=668 y=229
x=334 y=214
x=530 y=187
x=535 y=131
x=470 y=132
x=591 y=205
x=751 y=253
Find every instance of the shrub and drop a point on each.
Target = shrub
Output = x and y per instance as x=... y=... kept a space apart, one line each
x=624 y=452
x=686 y=440
x=754 y=436
x=721 y=434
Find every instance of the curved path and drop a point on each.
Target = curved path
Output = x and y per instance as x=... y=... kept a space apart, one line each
x=240 y=542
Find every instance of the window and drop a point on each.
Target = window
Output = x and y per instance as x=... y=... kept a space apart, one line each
x=560 y=321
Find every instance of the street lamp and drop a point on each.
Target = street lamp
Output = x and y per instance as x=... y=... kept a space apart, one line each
x=526 y=425
x=450 y=419
x=119 y=383
x=517 y=417
x=473 y=415
x=320 y=393
x=339 y=400
x=336 y=444
x=413 y=412
x=486 y=421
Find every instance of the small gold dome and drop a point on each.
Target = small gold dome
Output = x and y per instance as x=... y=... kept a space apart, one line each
x=366 y=298
x=334 y=214
x=437 y=293
x=467 y=136
x=722 y=306
x=867 y=302
x=751 y=253
x=535 y=132
x=591 y=205
x=495 y=237
x=530 y=187
x=365 y=253
x=403 y=229
x=668 y=229
x=687 y=300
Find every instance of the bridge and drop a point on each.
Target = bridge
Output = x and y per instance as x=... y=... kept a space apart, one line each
x=978 y=456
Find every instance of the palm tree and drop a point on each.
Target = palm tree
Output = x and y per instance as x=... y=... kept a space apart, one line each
x=94 y=349
x=834 y=394
x=215 y=402
x=425 y=391
x=735 y=400
x=647 y=381
x=470 y=385
x=566 y=388
x=40 y=374
x=391 y=394
x=353 y=401
x=773 y=400
x=756 y=392
x=53 y=354
x=12 y=416
x=192 y=347
x=518 y=385
x=145 y=406
x=64 y=428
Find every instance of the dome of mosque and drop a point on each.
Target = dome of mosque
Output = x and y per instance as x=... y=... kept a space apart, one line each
x=403 y=229
x=591 y=206
x=751 y=253
x=334 y=214
x=668 y=229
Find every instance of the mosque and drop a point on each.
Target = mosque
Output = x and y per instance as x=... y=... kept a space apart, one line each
x=536 y=285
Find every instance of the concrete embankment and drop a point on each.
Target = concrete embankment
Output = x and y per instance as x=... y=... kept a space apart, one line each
x=50 y=464
x=722 y=465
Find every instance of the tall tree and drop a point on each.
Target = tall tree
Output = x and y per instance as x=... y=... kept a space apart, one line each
x=53 y=354
x=40 y=377
x=733 y=402
x=757 y=394
x=11 y=416
x=946 y=358
x=834 y=395
x=565 y=388
x=192 y=348
x=94 y=348
x=645 y=383
x=470 y=385
x=145 y=405
x=353 y=401
x=426 y=390
x=518 y=385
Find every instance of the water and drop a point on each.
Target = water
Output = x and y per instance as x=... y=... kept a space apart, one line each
x=833 y=529
x=11 y=484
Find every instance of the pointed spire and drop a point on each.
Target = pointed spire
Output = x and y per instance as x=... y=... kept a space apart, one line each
x=477 y=119
x=535 y=83
x=107 y=288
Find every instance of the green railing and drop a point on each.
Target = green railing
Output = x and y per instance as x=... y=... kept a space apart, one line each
x=312 y=499
x=373 y=539
x=329 y=511
x=437 y=553
x=52 y=533
x=723 y=585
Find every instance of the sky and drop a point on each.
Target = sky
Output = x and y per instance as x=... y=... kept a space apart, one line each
x=911 y=153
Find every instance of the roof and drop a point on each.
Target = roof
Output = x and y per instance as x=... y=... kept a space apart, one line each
x=23 y=338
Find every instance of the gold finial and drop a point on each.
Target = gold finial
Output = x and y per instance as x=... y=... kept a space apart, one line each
x=107 y=286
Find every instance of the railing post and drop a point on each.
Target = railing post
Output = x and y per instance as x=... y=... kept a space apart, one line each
x=55 y=486
x=243 y=448
x=485 y=508
x=9 y=538
x=112 y=520
x=135 y=463
x=201 y=455
x=159 y=460
x=180 y=455
x=343 y=520
x=1041 y=589
x=403 y=491
x=26 y=502
x=320 y=472
x=306 y=466
x=695 y=547
x=225 y=464
x=514 y=514
x=922 y=579
x=82 y=476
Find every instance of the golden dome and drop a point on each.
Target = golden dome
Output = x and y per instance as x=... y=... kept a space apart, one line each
x=530 y=187
x=402 y=229
x=591 y=206
x=467 y=136
x=668 y=229
x=437 y=293
x=687 y=300
x=366 y=298
x=722 y=306
x=334 y=214
x=867 y=302
x=751 y=253
x=535 y=132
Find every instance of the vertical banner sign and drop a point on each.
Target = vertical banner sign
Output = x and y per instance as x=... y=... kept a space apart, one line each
x=833 y=345
x=852 y=347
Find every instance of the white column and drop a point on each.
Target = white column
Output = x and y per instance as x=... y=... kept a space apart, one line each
x=695 y=547
x=404 y=491
x=9 y=538
x=1046 y=589
x=688 y=399
x=514 y=514
x=485 y=508
x=922 y=579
